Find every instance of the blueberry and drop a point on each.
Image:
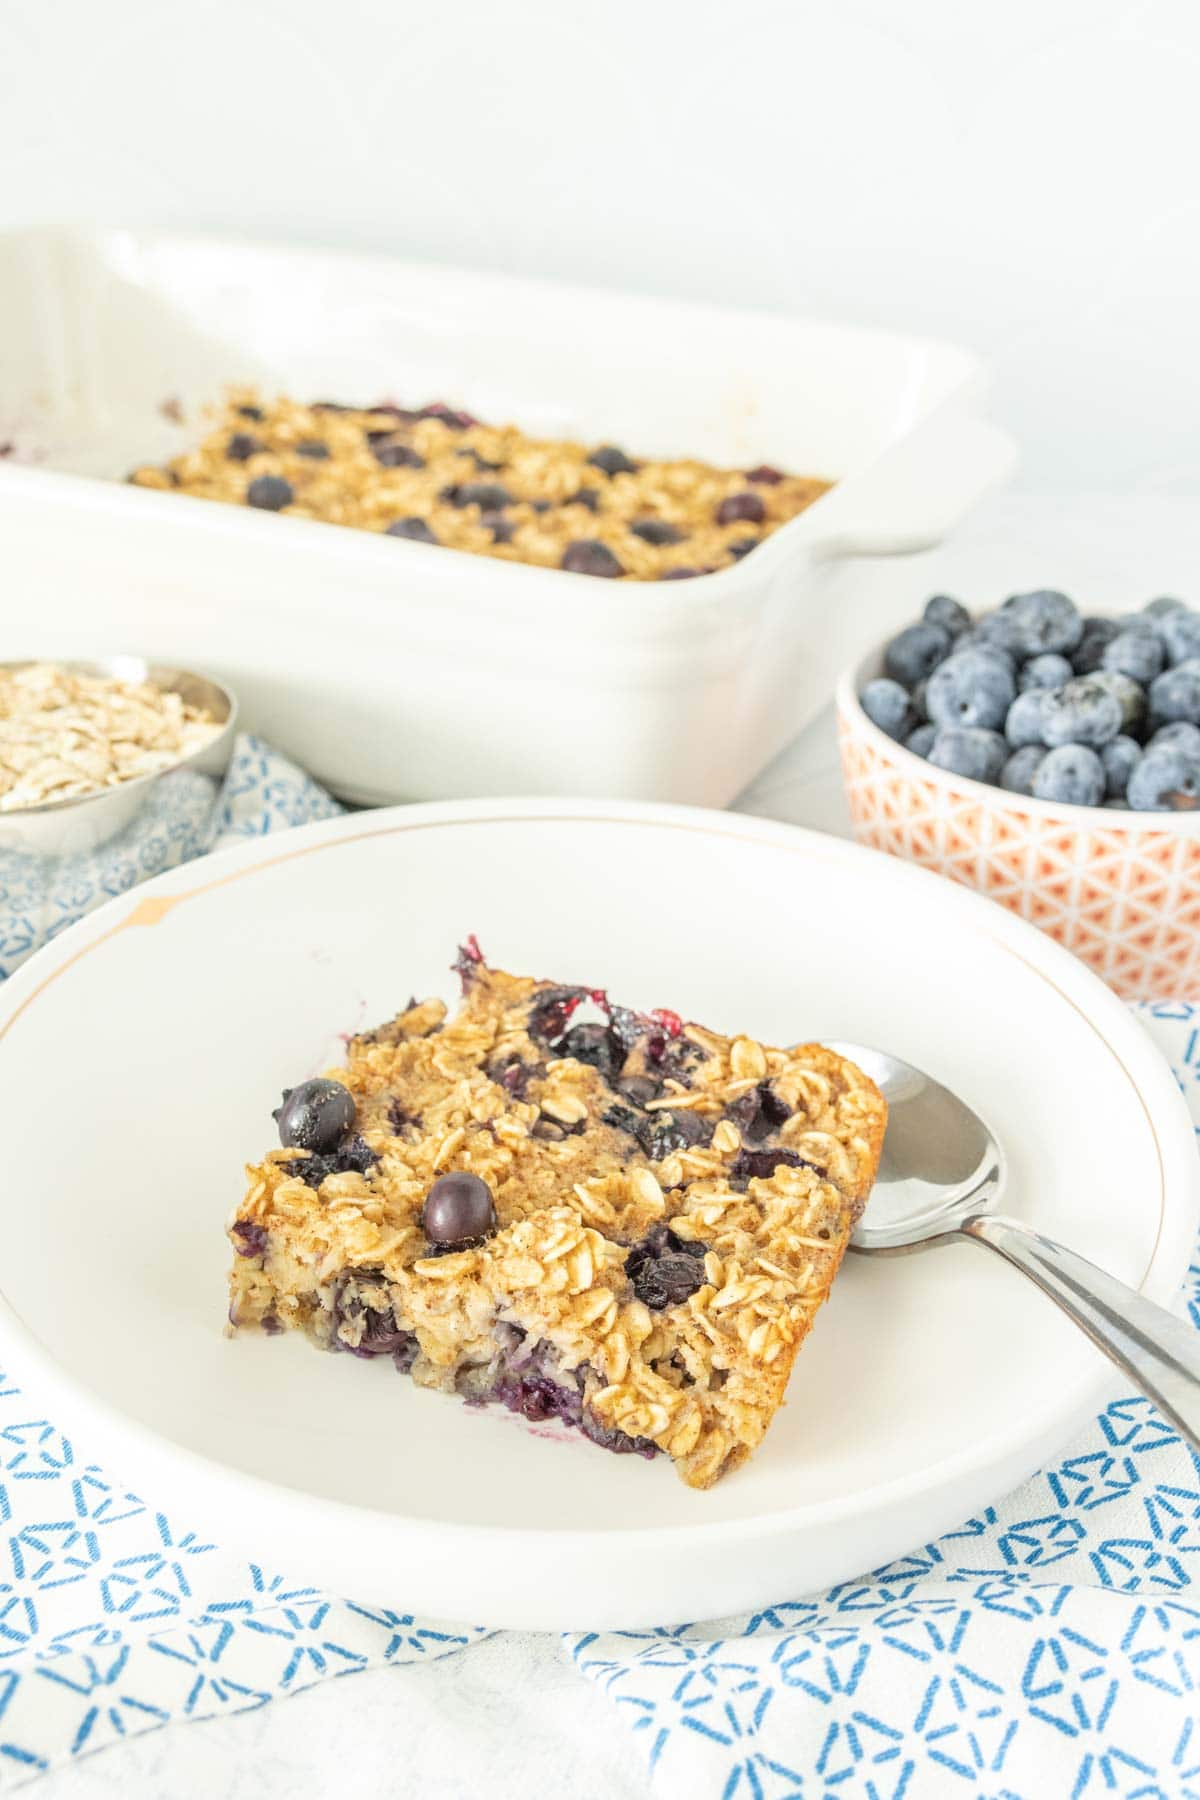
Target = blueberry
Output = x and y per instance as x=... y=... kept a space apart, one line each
x=1041 y=621
x=553 y=1011
x=662 y=1134
x=242 y=446
x=381 y=1336
x=623 y=1118
x=1181 y=634
x=1167 y=779
x=682 y=573
x=397 y=456
x=482 y=463
x=587 y=496
x=918 y=698
x=1047 y=671
x=419 y=530
x=314 y=1116
x=1001 y=632
x=915 y=652
x=978 y=639
x=588 y=556
x=270 y=492
x=1140 y=654
x=252 y=1236
x=1088 y=654
x=500 y=526
x=665 y=1270
x=641 y=1089
x=760 y=1165
x=1082 y=712
x=886 y=704
x=352 y=1156
x=458 y=1209
x=1187 y=736
x=950 y=614
x=758 y=1113
x=252 y=412
x=743 y=547
x=594 y=1044
x=968 y=750
x=920 y=741
x=736 y=507
x=612 y=461
x=1175 y=694
x=437 y=409
x=764 y=475
x=1071 y=775
x=489 y=496
x=1120 y=758
x=1163 y=607
x=512 y=1075
x=972 y=687
x=1018 y=772
x=1130 y=693
x=1025 y=721
x=657 y=531
x=314 y=449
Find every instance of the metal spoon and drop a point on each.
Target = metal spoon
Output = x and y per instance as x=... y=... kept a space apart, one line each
x=939 y=1178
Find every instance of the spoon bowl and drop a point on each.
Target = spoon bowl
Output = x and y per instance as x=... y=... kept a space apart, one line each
x=940 y=1162
x=940 y=1175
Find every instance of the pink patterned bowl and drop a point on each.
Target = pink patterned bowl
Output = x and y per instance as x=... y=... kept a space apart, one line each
x=1119 y=889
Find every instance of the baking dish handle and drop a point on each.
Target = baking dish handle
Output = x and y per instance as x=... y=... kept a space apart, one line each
x=914 y=495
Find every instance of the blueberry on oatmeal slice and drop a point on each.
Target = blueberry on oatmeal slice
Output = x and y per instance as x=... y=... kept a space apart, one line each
x=665 y=1270
x=458 y=1210
x=315 y=1115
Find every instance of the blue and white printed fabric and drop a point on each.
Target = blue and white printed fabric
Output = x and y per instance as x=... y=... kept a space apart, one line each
x=1049 y=1646
x=185 y=815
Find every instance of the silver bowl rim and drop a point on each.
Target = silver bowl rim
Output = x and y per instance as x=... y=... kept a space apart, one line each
x=160 y=675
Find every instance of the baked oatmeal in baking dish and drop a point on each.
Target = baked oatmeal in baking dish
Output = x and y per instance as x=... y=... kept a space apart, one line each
x=440 y=476
x=616 y=1220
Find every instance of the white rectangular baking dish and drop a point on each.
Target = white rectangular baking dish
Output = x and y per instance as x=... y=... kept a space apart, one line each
x=395 y=670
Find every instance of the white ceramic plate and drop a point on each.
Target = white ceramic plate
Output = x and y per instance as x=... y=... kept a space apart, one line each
x=140 y=1057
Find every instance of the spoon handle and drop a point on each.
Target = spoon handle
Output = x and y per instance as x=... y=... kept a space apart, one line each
x=1159 y=1353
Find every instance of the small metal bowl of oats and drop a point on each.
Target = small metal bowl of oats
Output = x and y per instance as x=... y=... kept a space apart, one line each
x=82 y=745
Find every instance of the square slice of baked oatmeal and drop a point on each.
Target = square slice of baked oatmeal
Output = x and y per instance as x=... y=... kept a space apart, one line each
x=615 y=1219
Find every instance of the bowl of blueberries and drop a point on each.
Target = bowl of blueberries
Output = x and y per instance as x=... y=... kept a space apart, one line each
x=1049 y=758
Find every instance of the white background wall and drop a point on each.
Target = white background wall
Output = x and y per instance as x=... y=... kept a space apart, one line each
x=1023 y=175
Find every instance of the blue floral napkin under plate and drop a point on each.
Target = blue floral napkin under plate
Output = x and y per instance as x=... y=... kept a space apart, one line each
x=185 y=815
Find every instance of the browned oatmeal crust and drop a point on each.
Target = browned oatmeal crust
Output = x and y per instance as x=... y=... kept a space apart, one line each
x=671 y=1209
x=440 y=476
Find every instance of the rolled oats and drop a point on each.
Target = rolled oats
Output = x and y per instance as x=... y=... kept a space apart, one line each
x=64 y=735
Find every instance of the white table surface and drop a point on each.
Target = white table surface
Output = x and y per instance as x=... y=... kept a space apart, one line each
x=509 y=1716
